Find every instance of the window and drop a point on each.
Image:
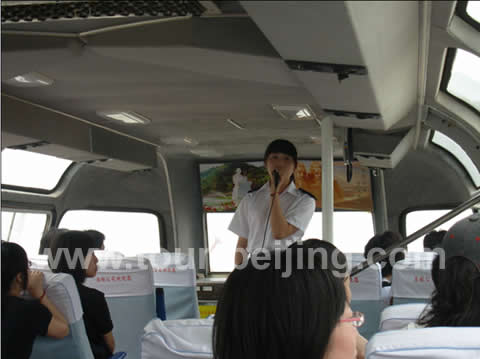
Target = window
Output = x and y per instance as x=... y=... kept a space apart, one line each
x=461 y=77
x=469 y=11
x=473 y=10
x=32 y=170
x=130 y=233
x=352 y=230
x=418 y=219
x=451 y=146
x=24 y=228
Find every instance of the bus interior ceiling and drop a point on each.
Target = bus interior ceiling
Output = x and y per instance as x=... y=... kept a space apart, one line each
x=190 y=74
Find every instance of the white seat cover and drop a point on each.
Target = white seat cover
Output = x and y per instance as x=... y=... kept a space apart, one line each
x=434 y=343
x=399 y=316
x=412 y=277
x=172 y=269
x=123 y=277
x=367 y=285
x=173 y=339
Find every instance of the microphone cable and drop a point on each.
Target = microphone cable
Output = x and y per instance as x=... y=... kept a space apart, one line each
x=276 y=179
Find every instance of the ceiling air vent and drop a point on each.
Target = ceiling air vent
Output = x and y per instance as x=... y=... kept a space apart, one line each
x=15 y=11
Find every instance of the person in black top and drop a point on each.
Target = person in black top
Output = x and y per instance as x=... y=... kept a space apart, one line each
x=23 y=320
x=72 y=253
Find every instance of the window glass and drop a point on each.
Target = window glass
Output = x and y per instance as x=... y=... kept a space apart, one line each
x=130 y=233
x=24 y=228
x=352 y=230
x=418 y=219
x=473 y=10
x=464 y=81
x=451 y=146
x=33 y=170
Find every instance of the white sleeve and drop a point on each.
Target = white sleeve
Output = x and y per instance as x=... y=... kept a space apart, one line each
x=300 y=214
x=239 y=223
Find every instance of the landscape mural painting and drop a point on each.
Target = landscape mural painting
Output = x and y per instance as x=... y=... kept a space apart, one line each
x=225 y=184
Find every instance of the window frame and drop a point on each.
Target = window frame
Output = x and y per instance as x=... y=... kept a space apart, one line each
x=160 y=220
x=461 y=12
x=447 y=74
x=452 y=156
x=403 y=215
x=51 y=216
x=35 y=190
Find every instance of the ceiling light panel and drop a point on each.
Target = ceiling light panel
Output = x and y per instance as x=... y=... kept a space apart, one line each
x=295 y=112
x=30 y=79
x=125 y=117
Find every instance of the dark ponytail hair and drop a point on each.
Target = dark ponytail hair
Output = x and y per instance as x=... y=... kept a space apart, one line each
x=456 y=299
x=14 y=261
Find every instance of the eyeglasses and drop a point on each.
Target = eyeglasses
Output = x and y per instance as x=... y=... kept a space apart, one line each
x=357 y=319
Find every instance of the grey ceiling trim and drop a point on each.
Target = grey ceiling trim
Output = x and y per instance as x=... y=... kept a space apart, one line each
x=38 y=33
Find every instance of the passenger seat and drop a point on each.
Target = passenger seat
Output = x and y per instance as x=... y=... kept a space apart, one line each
x=128 y=287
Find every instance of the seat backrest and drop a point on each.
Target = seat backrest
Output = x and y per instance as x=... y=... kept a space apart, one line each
x=412 y=278
x=128 y=287
x=175 y=273
x=434 y=343
x=62 y=291
x=175 y=339
x=366 y=290
x=399 y=316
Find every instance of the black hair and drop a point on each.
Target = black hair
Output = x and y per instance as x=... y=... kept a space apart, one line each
x=435 y=269
x=263 y=314
x=329 y=257
x=282 y=146
x=384 y=241
x=14 y=261
x=97 y=237
x=48 y=238
x=433 y=239
x=455 y=301
x=64 y=256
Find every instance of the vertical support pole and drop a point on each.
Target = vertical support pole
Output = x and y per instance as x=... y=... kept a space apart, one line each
x=379 y=201
x=327 y=179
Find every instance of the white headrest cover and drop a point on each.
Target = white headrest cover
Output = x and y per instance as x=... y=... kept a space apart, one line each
x=62 y=291
x=125 y=277
x=399 y=316
x=367 y=285
x=40 y=263
x=172 y=269
x=103 y=254
x=438 y=343
x=185 y=336
x=412 y=279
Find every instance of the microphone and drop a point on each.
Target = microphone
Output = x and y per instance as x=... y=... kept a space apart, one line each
x=276 y=178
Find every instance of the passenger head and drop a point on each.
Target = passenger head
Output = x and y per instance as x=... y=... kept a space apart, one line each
x=264 y=314
x=14 y=267
x=72 y=253
x=97 y=237
x=456 y=299
x=48 y=238
x=326 y=256
x=433 y=240
x=281 y=155
x=379 y=244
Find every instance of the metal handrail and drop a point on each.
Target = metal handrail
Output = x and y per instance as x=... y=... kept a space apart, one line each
x=424 y=230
